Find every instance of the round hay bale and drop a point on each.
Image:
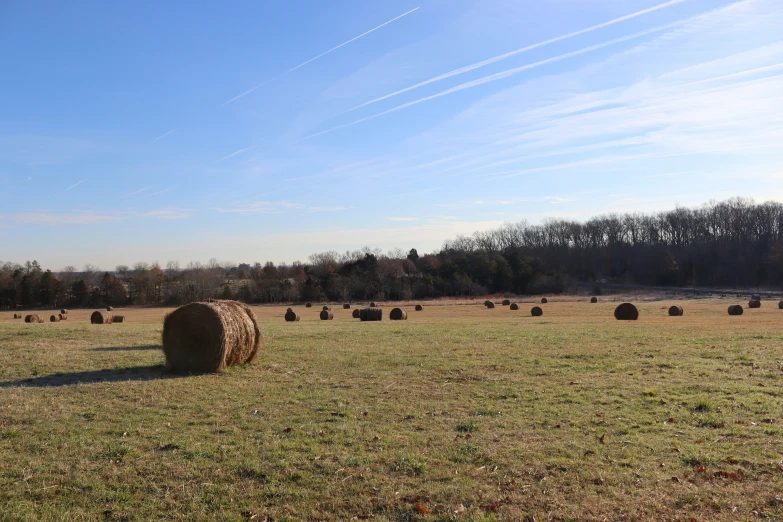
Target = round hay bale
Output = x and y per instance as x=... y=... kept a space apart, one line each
x=209 y=336
x=398 y=314
x=356 y=313
x=419 y=308
x=19 y=316
x=118 y=319
x=63 y=311
x=63 y=317
x=755 y=297
x=326 y=308
x=346 y=306
x=754 y=303
x=544 y=300
x=372 y=305
x=735 y=310
x=593 y=299
x=675 y=311
x=109 y=308
x=506 y=302
x=514 y=306
x=291 y=316
x=54 y=318
x=486 y=303
x=326 y=315
x=371 y=314
x=489 y=304
x=33 y=318
x=626 y=312
x=780 y=305
x=99 y=317
x=536 y=311
x=308 y=305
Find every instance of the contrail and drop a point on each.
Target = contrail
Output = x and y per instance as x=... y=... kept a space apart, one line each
x=163 y=136
x=498 y=58
x=320 y=55
x=502 y=75
x=240 y=151
x=74 y=185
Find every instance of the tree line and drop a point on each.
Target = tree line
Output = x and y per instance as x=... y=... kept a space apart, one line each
x=735 y=243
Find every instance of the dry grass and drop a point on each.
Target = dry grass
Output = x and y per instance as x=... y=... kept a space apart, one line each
x=456 y=414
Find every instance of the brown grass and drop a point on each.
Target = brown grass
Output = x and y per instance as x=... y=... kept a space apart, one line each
x=210 y=336
x=398 y=314
x=626 y=312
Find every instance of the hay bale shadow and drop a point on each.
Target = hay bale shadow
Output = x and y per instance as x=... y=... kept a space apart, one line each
x=126 y=348
x=137 y=373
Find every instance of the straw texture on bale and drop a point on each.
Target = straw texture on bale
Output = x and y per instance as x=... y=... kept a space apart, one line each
x=419 y=308
x=754 y=303
x=675 y=311
x=109 y=308
x=19 y=316
x=489 y=304
x=371 y=314
x=327 y=315
x=506 y=302
x=63 y=317
x=536 y=311
x=291 y=316
x=33 y=318
x=372 y=305
x=514 y=306
x=99 y=317
x=626 y=312
x=398 y=314
x=54 y=318
x=63 y=311
x=309 y=305
x=209 y=336
x=356 y=313
x=346 y=306
x=593 y=299
x=118 y=319
x=735 y=310
x=544 y=300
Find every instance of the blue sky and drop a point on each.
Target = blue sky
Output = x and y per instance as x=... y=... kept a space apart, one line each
x=255 y=131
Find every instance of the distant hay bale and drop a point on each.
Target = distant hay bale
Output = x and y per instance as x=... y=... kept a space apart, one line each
x=675 y=311
x=33 y=318
x=118 y=319
x=346 y=306
x=419 y=308
x=19 y=316
x=780 y=305
x=593 y=299
x=536 y=311
x=327 y=315
x=544 y=300
x=398 y=314
x=489 y=304
x=514 y=306
x=326 y=308
x=63 y=317
x=506 y=302
x=99 y=317
x=54 y=318
x=356 y=313
x=63 y=311
x=735 y=310
x=626 y=312
x=754 y=303
x=755 y=297
x=308 y=305
x=291 y=316
x=372 y=305
x=209 y=336
x=109 y=309
x=371 y=314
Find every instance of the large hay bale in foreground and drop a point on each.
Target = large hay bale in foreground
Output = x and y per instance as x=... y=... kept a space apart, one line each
x=63 y=317
x=19 y=316
x=117 y=318
x=536 y=311
x=327 y=315
x=735 y=310
x=371 y=314
x=54 y=318
x=308 y=305
x=514 y=306
x=593 y=299
x=209 y=336
x=506 y=302
x=346 y=306
x=291 y=316
x=754 y=303
x=356 y=313
x=398 y=314
x=544 y=300
x=33 y=318
x=626 y=312
x=99 y=317
x=489 y=304
x=675 y=311
x=419 y=308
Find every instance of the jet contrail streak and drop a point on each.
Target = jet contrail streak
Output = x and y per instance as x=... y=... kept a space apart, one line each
x=319 y=56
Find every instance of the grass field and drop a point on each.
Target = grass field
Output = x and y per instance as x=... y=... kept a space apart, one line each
x=459 y=413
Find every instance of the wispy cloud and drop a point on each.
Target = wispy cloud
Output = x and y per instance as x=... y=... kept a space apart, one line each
x=402 y=219
x=166 y=214
x=235 y=98
x=136 y=192
x=325 y=209
x=516 y=52
x=237 y=152
x=258 y=207
x=164 y=135
x=70 y=218
x=75 y=185
x=157 y=193
x=556 y=200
